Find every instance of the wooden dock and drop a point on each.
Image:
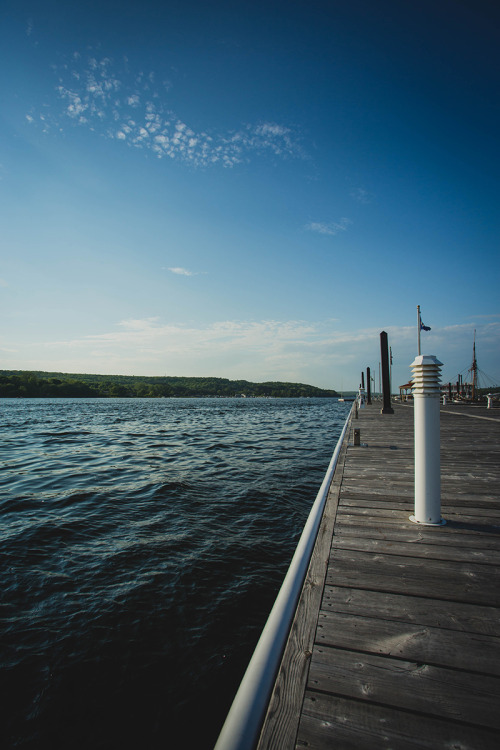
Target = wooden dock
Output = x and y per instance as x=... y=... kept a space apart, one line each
x=396 y=638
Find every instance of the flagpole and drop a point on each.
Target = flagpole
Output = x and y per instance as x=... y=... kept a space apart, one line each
x=418 y=328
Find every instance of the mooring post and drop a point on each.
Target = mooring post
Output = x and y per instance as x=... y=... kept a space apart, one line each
x=368 y=387
x=426 y=394
x=386 y=386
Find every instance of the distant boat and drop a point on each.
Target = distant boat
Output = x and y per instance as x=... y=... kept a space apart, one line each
x=342 y=398
x=476 y=381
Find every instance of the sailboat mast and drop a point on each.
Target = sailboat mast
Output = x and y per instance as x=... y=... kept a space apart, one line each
x=474 y=368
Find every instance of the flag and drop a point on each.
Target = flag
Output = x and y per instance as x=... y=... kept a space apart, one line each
x=424 y=328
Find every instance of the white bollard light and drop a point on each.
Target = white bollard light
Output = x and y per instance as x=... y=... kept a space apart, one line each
x=490 y=402
x=426 y=397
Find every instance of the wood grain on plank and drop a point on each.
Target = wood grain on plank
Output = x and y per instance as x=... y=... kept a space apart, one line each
x=330 y=721
x=411 y=685
x=405 y=637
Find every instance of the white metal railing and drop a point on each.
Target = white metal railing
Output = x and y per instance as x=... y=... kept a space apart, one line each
x=244 y=721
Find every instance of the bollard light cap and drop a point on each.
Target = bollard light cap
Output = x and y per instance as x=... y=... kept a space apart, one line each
x=425 y=377
x=426 y=360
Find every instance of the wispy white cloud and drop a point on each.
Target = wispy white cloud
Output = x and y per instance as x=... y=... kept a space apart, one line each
x=323 y=353
x=105 y=97
x=486 y=317
x=133 y=324
x=361 y=195
x=182 y=271
x=236 y=338
x=330 y=227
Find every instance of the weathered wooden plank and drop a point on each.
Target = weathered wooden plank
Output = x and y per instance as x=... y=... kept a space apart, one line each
x=451 y=506
x=329 y=721
x=461 y=582
x=462 y=502
x=380 y=502
x=471 y=412
x=367 y=461
x=352 y=514
x=432 y=645
x=394 y=589
x=493 y=515
x=469 y=618
x=417 y=548
x=366 y=465
x=399 y=519
x=489 y=516
x=349 y=515
x=476 y=535
x=459 y=489
x=372 y=489
x=410 y=685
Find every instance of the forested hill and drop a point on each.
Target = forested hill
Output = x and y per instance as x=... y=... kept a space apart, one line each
x=33 y=384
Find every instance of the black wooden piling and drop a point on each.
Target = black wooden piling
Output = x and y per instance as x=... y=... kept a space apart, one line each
x=386 y=384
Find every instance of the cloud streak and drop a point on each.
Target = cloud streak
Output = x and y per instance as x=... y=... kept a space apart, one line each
x=329 y=228
x=325 y=353
x=181 y=271
x=361 y=195
x=322 y=353
x=105 y=98
x=259 y=350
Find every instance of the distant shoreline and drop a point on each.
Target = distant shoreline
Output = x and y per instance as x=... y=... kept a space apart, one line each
x=39 y=384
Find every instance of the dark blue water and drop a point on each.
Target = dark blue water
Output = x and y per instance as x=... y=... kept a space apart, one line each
x=142 y=544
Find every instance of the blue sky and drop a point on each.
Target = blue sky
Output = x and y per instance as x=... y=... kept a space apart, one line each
x=248 y=189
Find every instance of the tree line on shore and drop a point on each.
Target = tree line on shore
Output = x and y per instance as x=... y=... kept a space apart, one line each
x=35 y=384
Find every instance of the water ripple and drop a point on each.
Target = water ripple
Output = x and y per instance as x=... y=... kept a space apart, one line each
x=143 y=544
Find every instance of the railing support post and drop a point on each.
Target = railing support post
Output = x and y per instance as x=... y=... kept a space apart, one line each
x=427 y=459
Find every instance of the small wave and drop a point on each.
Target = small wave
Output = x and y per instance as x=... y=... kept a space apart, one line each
x=218 y=446
x=141 y=563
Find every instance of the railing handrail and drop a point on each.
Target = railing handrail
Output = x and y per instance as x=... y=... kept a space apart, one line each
x=245 y=718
